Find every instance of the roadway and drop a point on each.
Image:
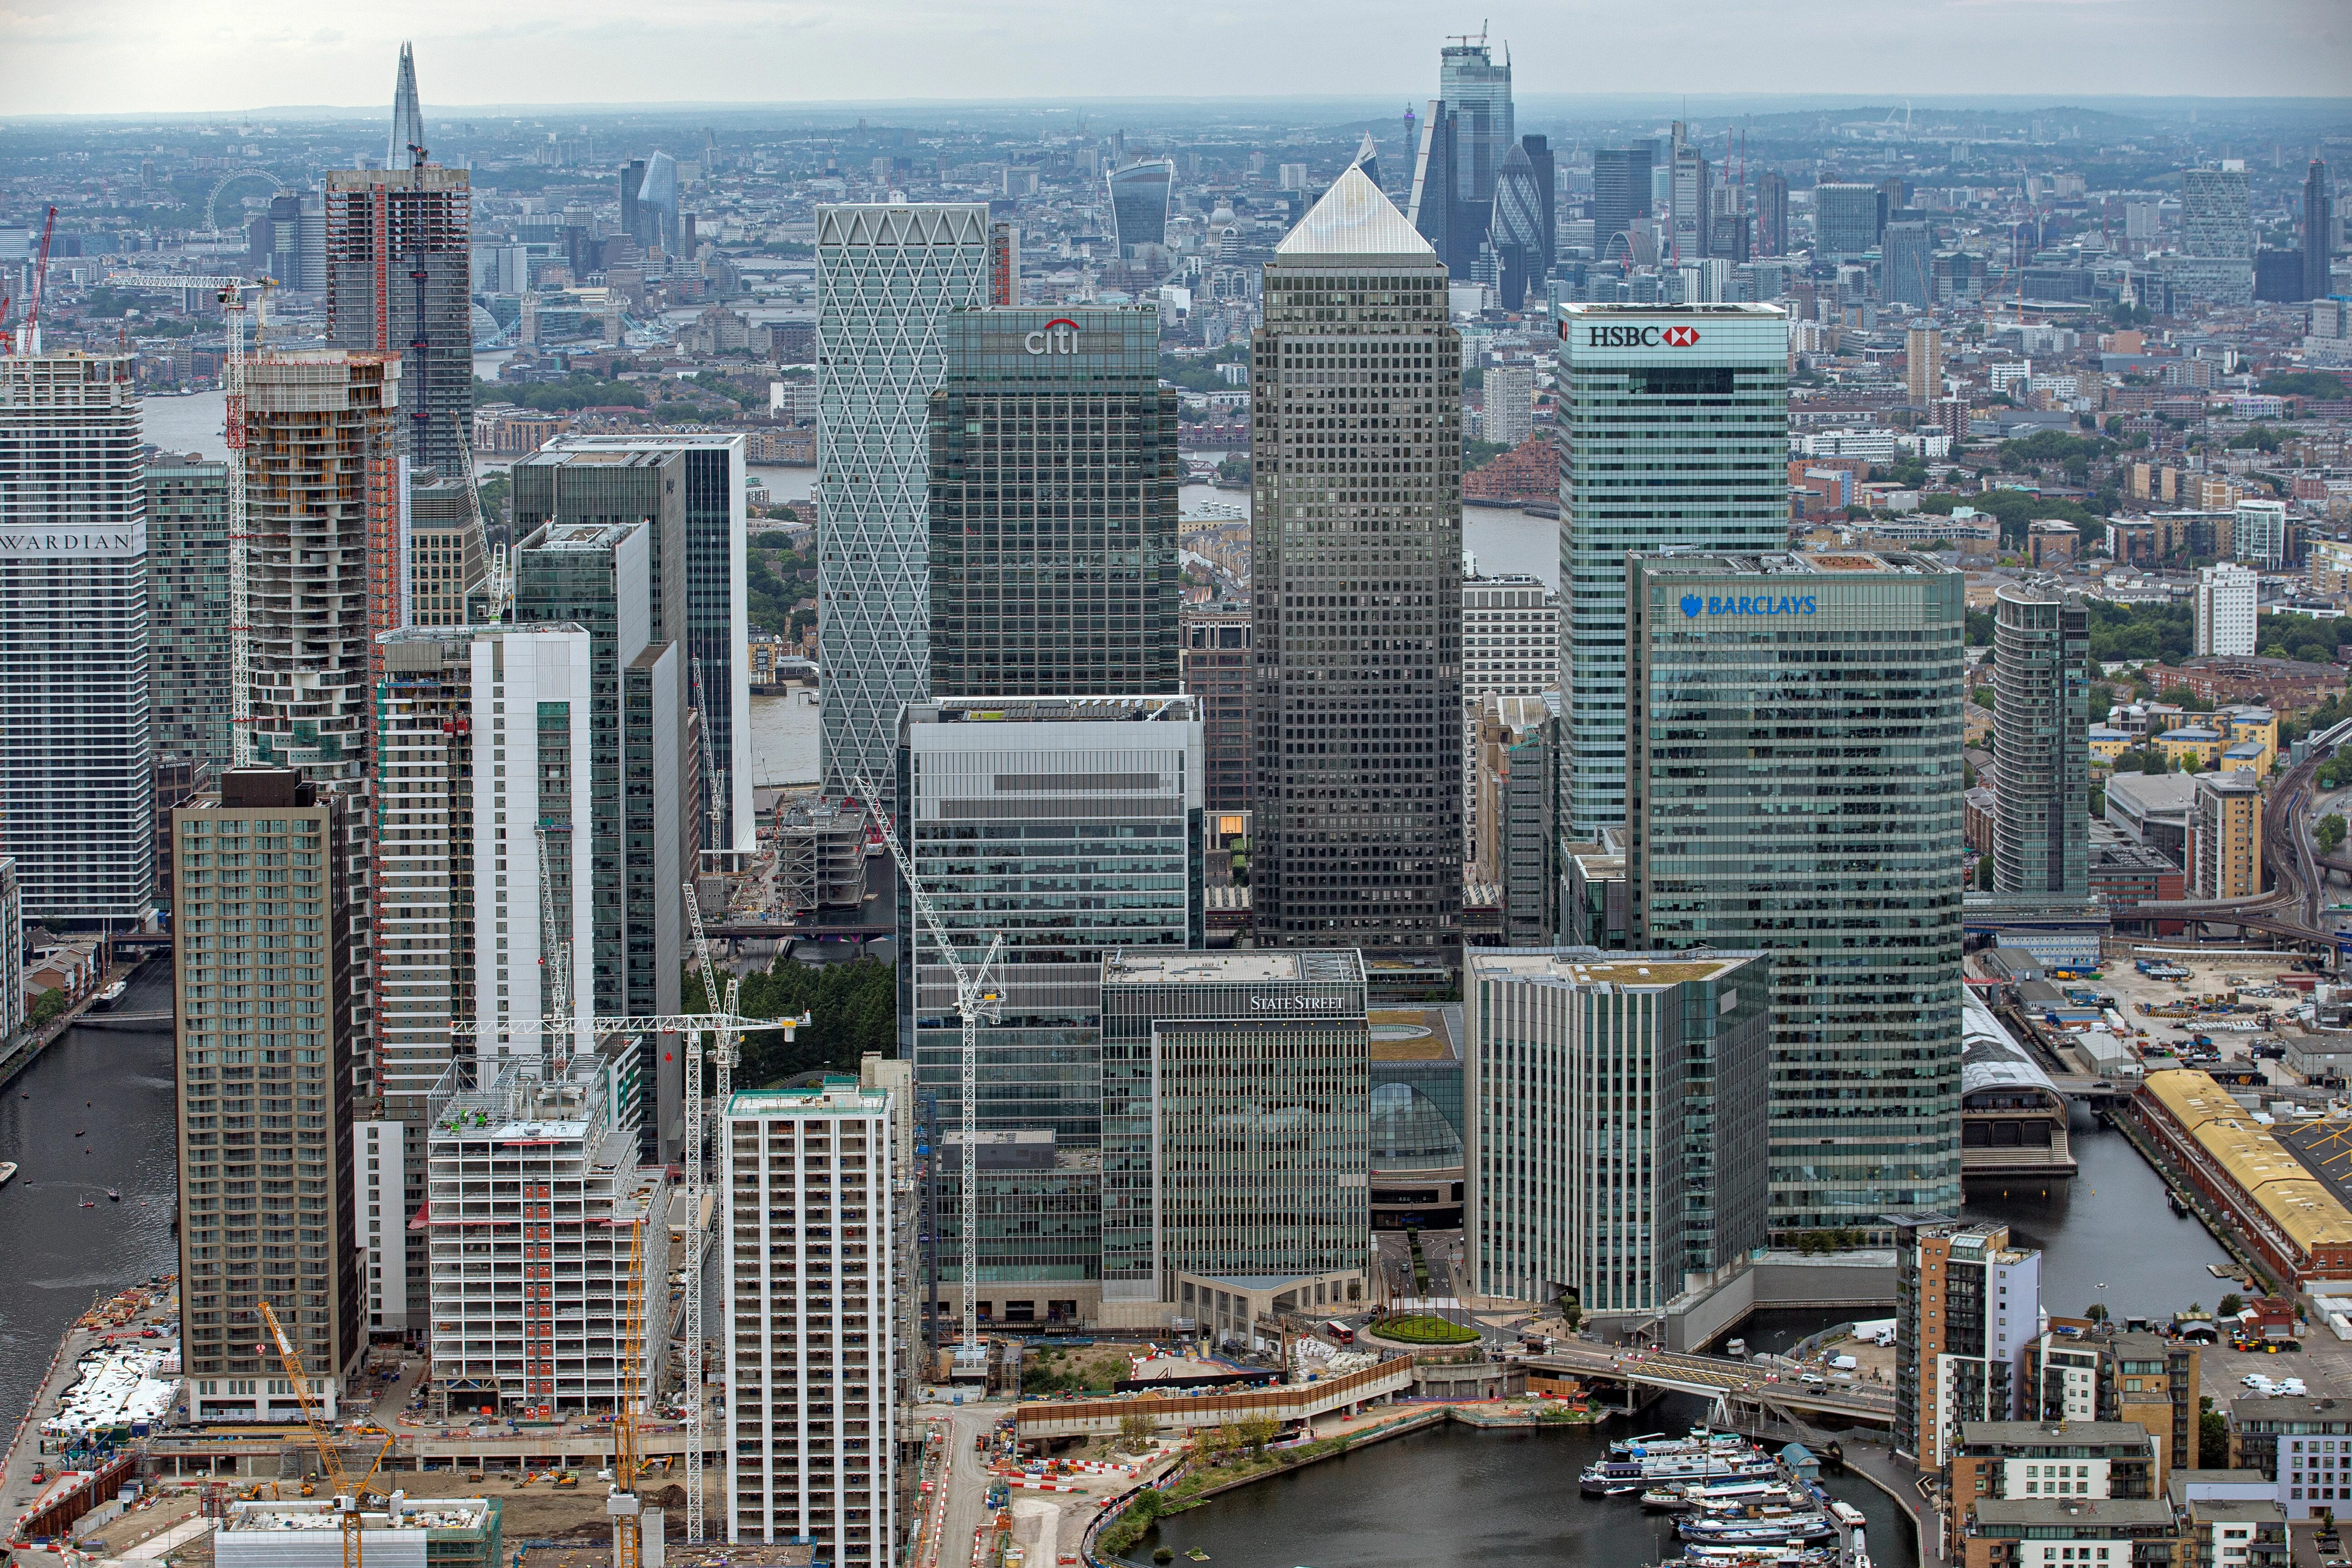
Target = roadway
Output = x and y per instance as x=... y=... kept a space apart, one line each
x=1717 y=1378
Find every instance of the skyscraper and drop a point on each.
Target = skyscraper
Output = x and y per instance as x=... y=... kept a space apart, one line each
x=187 y=609
x=1846 y=220
x=292 y=1069
x=1356 y=549
x=1053 y=506
x=1478 y=92
x=887 y=277
x=1521 y=227
x=2216 y=235
x=1436 y=208
x=1906 y=265
x=77 y=768
x=633 y=180
x=657 y=205
x=408 y=116
x=1771 y=214
x=1621 y=195
x=2319 y=232
x=1694 y=205
x=1673 y=435
x=2042 y=791
x=1793 y=742
x=691 y=487
x=1089 y=810
x=399 y=269
x=595 y=576
x=1138 y=202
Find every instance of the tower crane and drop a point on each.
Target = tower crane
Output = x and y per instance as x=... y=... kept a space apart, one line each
x=28 y=336
x=621 y=1503
x=499 y=582
x=349 y=1497
x=722 y=1056
x=232 y=291
x=713 y=777
x=974 y=1003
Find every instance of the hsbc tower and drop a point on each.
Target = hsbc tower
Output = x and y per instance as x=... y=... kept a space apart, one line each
x=1673 y=435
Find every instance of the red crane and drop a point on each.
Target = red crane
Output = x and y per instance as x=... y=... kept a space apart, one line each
x=28 y=336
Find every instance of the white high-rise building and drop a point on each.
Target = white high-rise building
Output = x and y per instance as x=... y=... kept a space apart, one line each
x=886 y=277
x=1510 y=637
x=2259 y=539
x=1510 y=404
x=810 y=1287
x=77 y=780
x=2225 y=610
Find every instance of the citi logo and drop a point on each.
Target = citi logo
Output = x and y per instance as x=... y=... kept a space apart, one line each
x=1058 y=336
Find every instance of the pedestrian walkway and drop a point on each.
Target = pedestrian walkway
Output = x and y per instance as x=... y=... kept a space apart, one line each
x=1901 y=1482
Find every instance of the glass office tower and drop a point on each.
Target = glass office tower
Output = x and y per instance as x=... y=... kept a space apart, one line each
x=1793 y=740
x=886 y=279
x=1053 y=506
x=1071 y=826
x=1673 y=425
x=1138 y=202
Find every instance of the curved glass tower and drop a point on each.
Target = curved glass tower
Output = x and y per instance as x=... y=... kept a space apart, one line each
x=1138 y=202
x=1518 y=227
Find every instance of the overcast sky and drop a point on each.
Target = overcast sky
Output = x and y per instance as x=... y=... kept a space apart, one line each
x=123 y=56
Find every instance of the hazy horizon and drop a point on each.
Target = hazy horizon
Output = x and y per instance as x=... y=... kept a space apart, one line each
x=121 y=58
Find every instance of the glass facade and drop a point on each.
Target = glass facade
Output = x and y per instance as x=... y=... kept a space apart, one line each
x=1617 y=1144
x=1356 y=556
x=2041 y=721
x=1674 y=436
x=1053 y=506
x=1236 y=1113
x=1138 y=202
x=1794 y=747
x=1071 y=827
x=886 y=277
x=187 y=611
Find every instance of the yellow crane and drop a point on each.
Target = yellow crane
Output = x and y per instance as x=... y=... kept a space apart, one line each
x=349 y=1497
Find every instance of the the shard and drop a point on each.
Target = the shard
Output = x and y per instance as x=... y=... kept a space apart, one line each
x=408 y=116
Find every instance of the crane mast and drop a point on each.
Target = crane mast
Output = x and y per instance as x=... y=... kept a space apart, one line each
x=973 y=1004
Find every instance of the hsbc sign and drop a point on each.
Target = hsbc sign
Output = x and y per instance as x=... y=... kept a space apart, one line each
x=1633 y=337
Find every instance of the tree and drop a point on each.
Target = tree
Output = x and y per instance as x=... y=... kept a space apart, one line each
x=2097 y=1312
x=1984 y=874
x=49 y=1005
x=1982 y=697
x=1213 y=1444
x=1135 y=1433
x=852 y=1009
x=2232 y=1305
x=1256 y=1432
x=2212 y=1435
x=2330 y=832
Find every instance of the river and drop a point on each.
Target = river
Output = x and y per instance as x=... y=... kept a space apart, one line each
x=1454 y=1495
x=60 y=1254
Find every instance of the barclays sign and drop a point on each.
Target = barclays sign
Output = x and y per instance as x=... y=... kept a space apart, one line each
x=1693 y=606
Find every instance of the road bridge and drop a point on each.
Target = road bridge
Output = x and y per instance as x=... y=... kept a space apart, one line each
x=1719 y=1378
x=1279 y=1402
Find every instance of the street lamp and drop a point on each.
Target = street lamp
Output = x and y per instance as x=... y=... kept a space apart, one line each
x=2103 y=1302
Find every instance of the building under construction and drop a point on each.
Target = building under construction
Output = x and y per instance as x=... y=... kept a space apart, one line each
x=408 y=1532
x=399 y=265
x=533 y=1191
x=819 y=856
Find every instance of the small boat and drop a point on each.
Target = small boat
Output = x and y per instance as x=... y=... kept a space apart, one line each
x=112 y=1196
x=105 y=1000
x=1664 y=1500
x=8 y=1172
x=89 y=1203
x=82 y=1133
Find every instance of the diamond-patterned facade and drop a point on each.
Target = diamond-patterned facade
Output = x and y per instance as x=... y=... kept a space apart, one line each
x=886 y=277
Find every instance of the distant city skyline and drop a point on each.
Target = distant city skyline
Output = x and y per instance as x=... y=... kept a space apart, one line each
x=130 y=57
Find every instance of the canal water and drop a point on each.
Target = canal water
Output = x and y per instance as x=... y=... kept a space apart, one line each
x=94 y=1112
x=2111 y=1236
x=1453 y=1495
